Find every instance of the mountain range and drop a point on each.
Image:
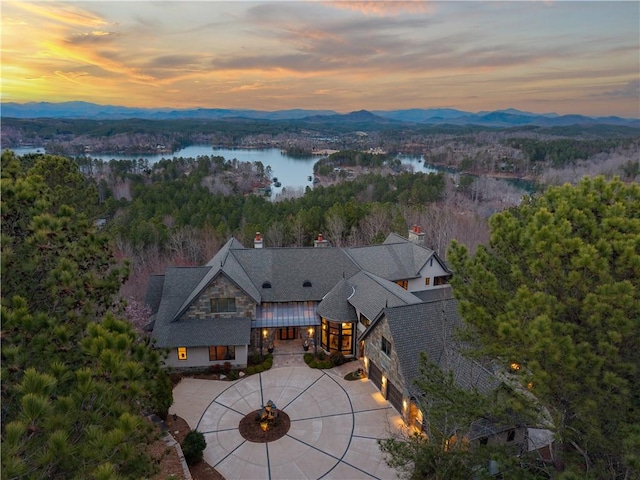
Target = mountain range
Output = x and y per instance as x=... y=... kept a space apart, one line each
x=434 y=116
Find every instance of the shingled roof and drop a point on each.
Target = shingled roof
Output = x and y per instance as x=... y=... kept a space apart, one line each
x=295 y=274
x=154 y=292
x=373 y=294
x=335 y=305
x=178 y=283
x=396 y=259
x=429 y=328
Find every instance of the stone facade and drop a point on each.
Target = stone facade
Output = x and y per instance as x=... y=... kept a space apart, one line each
x=389 y=364
x=221 y=287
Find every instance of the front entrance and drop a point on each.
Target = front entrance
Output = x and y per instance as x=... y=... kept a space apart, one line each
x=288 y=333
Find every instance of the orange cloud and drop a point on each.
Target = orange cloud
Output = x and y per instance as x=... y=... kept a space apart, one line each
x=61 y=12
x=384 y=8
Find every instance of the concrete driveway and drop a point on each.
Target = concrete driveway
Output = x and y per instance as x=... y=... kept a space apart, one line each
x=335 y=424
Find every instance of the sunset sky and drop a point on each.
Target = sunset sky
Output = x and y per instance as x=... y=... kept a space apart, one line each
x=544 y=56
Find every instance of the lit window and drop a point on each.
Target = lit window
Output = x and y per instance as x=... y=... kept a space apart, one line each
x=403 y=283
x=364 y=320
x=182 y=353
x=221 y=305
x=386 y=347
x=427 y=281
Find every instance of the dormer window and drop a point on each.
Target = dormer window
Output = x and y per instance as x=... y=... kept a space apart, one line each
x=306 y=284
x=266 y=285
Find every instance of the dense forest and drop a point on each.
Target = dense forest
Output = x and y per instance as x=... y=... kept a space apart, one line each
x=77 y=379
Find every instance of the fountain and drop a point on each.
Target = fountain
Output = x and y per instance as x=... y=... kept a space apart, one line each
x=265 y=425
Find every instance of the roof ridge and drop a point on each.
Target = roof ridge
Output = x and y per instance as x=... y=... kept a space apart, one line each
x=384 y=284
x=244 y=271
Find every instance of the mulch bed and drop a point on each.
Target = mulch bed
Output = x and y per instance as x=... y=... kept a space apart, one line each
x=179 y=428
x=251 y=430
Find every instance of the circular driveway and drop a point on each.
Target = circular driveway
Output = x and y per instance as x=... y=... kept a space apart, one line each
x=335 y=424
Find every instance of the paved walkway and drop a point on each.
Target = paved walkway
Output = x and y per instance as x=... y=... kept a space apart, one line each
x=335 y=424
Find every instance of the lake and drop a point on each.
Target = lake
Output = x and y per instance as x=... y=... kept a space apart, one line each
x=291 y=172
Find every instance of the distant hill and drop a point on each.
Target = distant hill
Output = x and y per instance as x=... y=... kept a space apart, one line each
x=509 y=117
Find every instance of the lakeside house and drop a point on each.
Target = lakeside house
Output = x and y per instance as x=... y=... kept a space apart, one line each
x=385 y=304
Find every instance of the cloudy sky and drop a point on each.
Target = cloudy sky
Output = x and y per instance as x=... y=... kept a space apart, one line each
x=543 y=56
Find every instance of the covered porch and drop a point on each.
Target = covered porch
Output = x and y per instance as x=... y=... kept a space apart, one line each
x=285 y=323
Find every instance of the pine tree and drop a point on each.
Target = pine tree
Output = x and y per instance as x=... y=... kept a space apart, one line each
x=557 y=292
x=76 y=381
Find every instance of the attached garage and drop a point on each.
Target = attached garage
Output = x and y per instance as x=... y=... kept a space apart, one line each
x=375 y=375
x=394 y=395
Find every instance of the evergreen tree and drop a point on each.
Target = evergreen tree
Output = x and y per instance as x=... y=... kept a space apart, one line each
x=557 y=295
x=76 y=381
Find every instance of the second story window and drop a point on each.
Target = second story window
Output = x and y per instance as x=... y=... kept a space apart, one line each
x=386 y=347
x=403 y=283
x=442 y=280
x=221 y=305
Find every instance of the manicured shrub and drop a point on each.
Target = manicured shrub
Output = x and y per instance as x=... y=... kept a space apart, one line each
x=251 y=370
x=255 y=359
x=313 y=364
x=308 y=357
x=226 y=368
x=321 y=355
x=337 y=358
x=193 y=447
x=259 y=369
x=325 y=364
x=267 y=365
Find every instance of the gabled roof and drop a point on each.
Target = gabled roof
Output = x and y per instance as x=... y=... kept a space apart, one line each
x=396 y=259
x=429 y=328
x=288 y=270
x=178 y=283
x=225 y=262
x=373 y=294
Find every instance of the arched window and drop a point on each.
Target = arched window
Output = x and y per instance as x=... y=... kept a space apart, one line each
x=306 y=284
x=266 y=285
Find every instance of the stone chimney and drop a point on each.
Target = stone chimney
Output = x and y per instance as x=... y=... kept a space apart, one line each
x=416 y=235
x=257 y=242
x=320 y=242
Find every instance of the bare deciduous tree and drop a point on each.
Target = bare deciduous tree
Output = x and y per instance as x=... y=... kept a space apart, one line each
x=276 y=234
x=335 y=228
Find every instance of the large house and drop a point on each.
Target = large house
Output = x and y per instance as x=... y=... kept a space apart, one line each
x=384 y=304
x=245 y=298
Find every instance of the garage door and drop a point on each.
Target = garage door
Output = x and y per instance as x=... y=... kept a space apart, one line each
x=375 y=375
x=394 y=395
